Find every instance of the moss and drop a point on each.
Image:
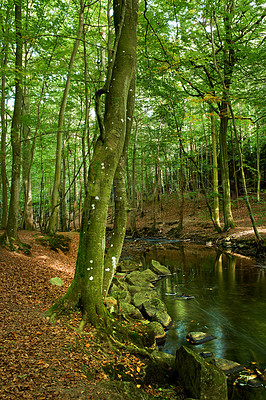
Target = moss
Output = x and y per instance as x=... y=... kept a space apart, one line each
x=55 y=242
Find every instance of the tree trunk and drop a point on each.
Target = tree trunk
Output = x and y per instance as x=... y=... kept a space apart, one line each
x=228 y=217
x=216 y=207
x=132 y=215
x=12 y=222
x=62 y=208
x=57 y=175
x=27 y=157
x=241 y=165
x=87 y=286
x=258 y=164
x=181 y=209
x=3 y=142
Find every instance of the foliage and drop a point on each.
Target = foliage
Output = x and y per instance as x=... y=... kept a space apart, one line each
x=55 y=242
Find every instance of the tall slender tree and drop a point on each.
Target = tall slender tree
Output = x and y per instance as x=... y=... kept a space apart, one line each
x=59 y=138
x=87 y=286
x=13 y=214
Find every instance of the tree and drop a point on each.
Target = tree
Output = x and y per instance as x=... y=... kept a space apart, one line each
x=57 y=174
x=12 y=222
x=87 y=286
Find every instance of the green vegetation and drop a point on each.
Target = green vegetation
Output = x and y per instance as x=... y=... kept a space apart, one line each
x=188 y=79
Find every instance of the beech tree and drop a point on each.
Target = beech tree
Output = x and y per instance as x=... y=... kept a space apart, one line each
x=86 y=289
x=12 y=222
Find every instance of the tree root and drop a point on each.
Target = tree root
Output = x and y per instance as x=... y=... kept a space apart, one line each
x=133 y=349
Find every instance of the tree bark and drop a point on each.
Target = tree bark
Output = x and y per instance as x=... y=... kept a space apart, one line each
x=258 y=163
x=87 y=286
x=216 y=207
x=59 y=139
x=241 y=165
x=12 y=222
x=27 y=158
x=3 y=142
x=132 y=215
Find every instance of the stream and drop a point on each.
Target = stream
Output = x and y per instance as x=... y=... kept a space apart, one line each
x=229 y=300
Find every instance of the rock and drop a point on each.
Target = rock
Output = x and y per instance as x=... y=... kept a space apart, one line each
x=156 y=330
x=119 y=284
x=152 y=306
x=227 y=366
x=56 y=281
x=149 y=275
x=120 y=295
x=130 y=311
x=199 y=337
x=140 y=297
x=133 y=289
x=137 y=279
x=160 y=370
x=163 y=318
x=201 y=380
x=127 y=266
x=159 y=269
x=156 y=310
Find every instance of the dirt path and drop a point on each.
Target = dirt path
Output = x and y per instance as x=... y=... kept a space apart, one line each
x=44 y=361
x=40 y=360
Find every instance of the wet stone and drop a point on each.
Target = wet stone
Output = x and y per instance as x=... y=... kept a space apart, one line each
x=228 y=366
x=159 y=269
x=199 y=337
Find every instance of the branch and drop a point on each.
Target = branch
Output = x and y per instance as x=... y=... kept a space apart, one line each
x=105 y=88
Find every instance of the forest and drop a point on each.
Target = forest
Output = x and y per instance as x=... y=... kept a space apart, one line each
x=110 y=105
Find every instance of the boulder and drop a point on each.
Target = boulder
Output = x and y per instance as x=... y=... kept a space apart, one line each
x=149 y=275
x=119 y=284
x=157 y=332
x=127 y=266
x=137 y=279
x=163 y=318
x=160 y=371
x=56 y=281
x=159 y=269
x=130 y=311
x=156 y=310
x=133 y=289
x=120 y=295
x=199 y=337
x=201 y=380
x=227 y=366
x=152 y=306
x=140 y=297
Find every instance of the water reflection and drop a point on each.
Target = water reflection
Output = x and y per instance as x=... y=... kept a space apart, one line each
x=229 y=303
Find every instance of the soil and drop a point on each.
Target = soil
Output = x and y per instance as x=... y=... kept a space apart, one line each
x=198 y=228
x=40 y=360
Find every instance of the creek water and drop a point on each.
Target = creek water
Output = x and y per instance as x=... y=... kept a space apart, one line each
x=229 y=300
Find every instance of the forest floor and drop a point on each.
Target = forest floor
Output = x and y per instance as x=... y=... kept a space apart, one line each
x=40 y=360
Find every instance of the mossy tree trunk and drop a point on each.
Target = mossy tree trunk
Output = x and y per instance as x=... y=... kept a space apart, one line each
x=27 y=159
x=216 y=207
x=133 y=226
x=3 y=139
x=87 y=286
x=12 y=222
x=227 y=210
